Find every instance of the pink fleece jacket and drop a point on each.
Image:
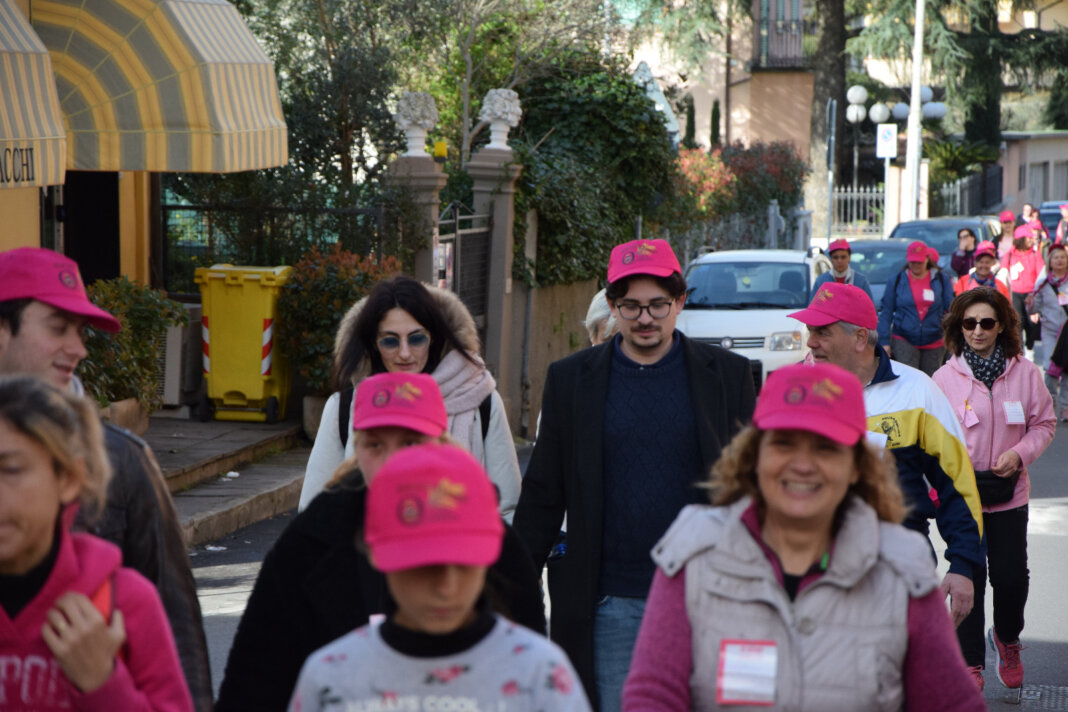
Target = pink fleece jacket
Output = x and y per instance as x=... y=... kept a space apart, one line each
x=147 y=674
x=983 y=416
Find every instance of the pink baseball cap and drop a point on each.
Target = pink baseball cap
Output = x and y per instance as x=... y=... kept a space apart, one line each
x=933 y=254
x=1022 y=231
x=839 y=302
x=917 y=251
x=838 y=245
x=432 y=504
x=51 y=278
x=1007 y=216
x=401 y=400
x=1062 y=206
x=986 y=247
x=821 y=398
x=652 y=257
x=1036 y=224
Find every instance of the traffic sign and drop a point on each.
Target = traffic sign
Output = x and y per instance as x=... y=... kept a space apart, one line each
x=886 y=141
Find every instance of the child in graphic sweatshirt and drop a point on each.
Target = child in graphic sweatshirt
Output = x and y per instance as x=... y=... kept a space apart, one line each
x=77 y=631
x=433 y=529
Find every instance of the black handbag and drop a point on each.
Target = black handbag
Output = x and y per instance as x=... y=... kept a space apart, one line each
x=1059 y=356
x=994 y=489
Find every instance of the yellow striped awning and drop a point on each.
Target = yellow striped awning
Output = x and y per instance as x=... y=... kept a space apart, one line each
x=161 y=85
x=32 y=144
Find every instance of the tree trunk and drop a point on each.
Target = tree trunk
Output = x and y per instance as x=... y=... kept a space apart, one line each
x=828 y=68
x=981 y=83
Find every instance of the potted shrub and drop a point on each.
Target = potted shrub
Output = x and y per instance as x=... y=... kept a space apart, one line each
x=121 y=371
x=319 y=291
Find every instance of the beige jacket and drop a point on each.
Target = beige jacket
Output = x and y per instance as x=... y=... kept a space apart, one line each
x=841 y=643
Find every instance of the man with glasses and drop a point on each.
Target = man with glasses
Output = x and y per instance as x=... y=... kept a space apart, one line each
x=628 y=428
x=910 y=416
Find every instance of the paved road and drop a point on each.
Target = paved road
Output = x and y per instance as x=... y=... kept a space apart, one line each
x=225 y=579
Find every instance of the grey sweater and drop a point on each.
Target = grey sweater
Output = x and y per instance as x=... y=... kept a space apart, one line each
x=511 y=669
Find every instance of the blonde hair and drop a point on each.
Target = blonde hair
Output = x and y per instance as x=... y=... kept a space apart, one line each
x=68 y=427
x=350 y=465
x=734 y=476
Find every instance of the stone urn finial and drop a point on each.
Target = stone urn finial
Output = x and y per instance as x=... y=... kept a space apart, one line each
x=501 y=109
x=416 y=114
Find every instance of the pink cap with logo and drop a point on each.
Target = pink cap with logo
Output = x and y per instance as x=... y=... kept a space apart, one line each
x=429 y=505
x=986 y=247
x=917 y=251
x=51 y=278
x=652 y=257
x=839 y=302
x=822 y=398
x=1022 y=231
x=1036 y=224
x=838 y=245
x=1007 y=216
x=401 y=400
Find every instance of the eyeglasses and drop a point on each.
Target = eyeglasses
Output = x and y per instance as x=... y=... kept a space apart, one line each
x=657 y=310
x=987 y=324
x=416 y=342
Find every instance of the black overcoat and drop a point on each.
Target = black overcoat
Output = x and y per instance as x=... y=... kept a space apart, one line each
x=566 y=473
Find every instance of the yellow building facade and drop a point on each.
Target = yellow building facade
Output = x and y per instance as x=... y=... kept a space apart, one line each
x=96 y=98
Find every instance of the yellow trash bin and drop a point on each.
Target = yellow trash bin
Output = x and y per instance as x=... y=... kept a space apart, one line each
x=245 y=375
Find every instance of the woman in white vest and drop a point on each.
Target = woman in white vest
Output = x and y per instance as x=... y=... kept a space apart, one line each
x=797 y=589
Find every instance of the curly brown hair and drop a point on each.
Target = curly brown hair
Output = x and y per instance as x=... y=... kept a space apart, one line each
x=953 y=329
x=734 y=476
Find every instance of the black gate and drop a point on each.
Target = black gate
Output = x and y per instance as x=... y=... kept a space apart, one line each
x=203 y=235
x=462 y=258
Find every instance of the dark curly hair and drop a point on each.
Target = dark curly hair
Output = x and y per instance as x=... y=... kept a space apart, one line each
x=674 y=285
x=953 y=329
x=398 y=292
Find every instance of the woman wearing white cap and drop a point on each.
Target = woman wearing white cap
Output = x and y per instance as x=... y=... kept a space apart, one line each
x=797 y=589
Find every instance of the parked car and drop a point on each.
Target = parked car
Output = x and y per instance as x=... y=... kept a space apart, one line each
x=941 y=233
x=879 y=261
x=1049 y=213
x=740 y=299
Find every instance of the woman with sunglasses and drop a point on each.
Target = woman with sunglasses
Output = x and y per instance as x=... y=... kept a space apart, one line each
x=404 y=326
x=1007 y=417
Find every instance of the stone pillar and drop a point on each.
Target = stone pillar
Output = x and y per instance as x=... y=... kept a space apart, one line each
x=494 y=175
x=425 y=179
x=416 y=170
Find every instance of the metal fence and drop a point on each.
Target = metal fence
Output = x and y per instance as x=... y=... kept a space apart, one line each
x=203 y=235
x=858 y=212
x=739 y=232
x=971 y=195
x=462 y=257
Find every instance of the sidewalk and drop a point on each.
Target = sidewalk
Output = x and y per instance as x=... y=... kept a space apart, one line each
x=226 y=475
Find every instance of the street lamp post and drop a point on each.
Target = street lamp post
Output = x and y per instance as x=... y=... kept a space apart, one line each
x=855 y=113
x=927 y=110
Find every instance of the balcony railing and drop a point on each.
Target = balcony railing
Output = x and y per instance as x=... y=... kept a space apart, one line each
x=780 y=43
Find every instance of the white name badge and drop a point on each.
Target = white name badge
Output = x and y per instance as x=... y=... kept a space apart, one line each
x=747 y=670
x=928 y=295
x=1014 y=412
x=876 y=439
x=1062 y=299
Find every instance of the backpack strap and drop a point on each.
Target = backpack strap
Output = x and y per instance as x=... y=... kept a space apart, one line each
x=484 y=414
x=344 y=412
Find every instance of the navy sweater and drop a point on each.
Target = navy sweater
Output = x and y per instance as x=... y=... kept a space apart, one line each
x=652 y=462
